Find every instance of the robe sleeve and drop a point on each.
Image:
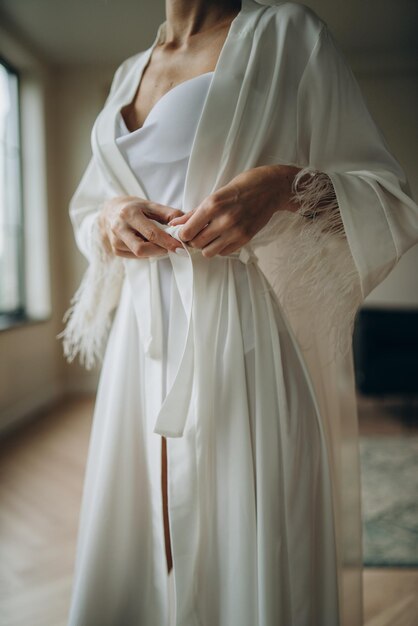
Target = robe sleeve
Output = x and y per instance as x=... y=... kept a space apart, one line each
x=337 y=136
x=88 y=199
x=356 y=216
x=88 y=319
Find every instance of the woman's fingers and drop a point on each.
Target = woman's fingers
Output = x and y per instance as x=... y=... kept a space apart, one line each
x=131 y=244
x=161 y=212
x=200 y=217
x=182 y=219
x=139 y=247
x=221 y=245
x=205 y=236
x=129 y=255
x=126 y=227
x=219 y=225
x=151 y=231
x=150 y=249
x=121 y=249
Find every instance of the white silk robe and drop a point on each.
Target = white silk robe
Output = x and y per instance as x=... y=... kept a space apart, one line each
x=282 y=92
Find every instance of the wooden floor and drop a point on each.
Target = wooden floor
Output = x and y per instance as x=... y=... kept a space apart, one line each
x=41 y=476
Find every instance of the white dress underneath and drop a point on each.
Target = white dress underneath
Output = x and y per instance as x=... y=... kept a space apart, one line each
x=249 y=491
x=158 y=141
x=158 y=154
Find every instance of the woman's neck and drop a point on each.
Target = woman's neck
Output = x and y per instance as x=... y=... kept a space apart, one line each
x=186 y=19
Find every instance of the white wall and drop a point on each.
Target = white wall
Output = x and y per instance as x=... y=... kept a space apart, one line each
x=31 y=370
x=393 y=101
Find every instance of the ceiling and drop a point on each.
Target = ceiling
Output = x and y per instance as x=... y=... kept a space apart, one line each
x=74 y=32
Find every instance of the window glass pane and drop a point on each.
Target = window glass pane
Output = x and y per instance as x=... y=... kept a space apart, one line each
x=11 y=231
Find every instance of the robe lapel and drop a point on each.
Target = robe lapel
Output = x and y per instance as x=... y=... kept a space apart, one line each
x=142 y=274
x=114 y=165
x=210 y=140
x=210 y=145
x=207 y=153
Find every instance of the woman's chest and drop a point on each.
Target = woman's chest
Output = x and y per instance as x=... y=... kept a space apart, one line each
x=165 y=70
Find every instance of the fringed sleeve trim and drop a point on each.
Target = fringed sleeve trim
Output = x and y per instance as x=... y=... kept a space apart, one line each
x=88 y=320
x=314 y=193
x=312 y=266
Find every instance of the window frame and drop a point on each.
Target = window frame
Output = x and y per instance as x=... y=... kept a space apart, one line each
x=18 y=316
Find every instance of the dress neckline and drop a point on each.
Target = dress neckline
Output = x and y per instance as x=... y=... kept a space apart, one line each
x=155 y=106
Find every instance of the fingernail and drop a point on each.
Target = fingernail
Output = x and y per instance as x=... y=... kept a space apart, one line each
x=181 y=251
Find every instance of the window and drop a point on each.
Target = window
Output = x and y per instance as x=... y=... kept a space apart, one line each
x=12 y=291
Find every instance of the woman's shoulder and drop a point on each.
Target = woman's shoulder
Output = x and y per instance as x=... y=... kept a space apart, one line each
x=125 y=65
x=290 y=11
x=291 y=22
x=123 y=69
x=288 y=15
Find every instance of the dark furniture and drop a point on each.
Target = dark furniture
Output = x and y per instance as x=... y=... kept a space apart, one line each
x=385 y=350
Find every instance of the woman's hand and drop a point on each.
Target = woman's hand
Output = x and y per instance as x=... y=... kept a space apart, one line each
x=127 y=230
x=233 y=214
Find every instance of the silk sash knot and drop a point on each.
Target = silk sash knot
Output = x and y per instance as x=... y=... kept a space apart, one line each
x=143 y=277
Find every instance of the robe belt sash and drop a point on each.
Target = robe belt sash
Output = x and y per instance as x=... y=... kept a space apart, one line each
x=143 y=277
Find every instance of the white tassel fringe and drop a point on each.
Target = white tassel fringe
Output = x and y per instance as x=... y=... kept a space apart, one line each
x=313 y=267
x=90 y=314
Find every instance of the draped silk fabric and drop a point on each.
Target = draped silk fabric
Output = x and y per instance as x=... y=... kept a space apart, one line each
x=281 y=92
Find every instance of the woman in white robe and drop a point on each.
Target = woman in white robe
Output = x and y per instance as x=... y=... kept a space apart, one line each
x=281 y=93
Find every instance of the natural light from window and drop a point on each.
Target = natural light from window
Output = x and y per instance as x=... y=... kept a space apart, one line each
x=11 y=231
